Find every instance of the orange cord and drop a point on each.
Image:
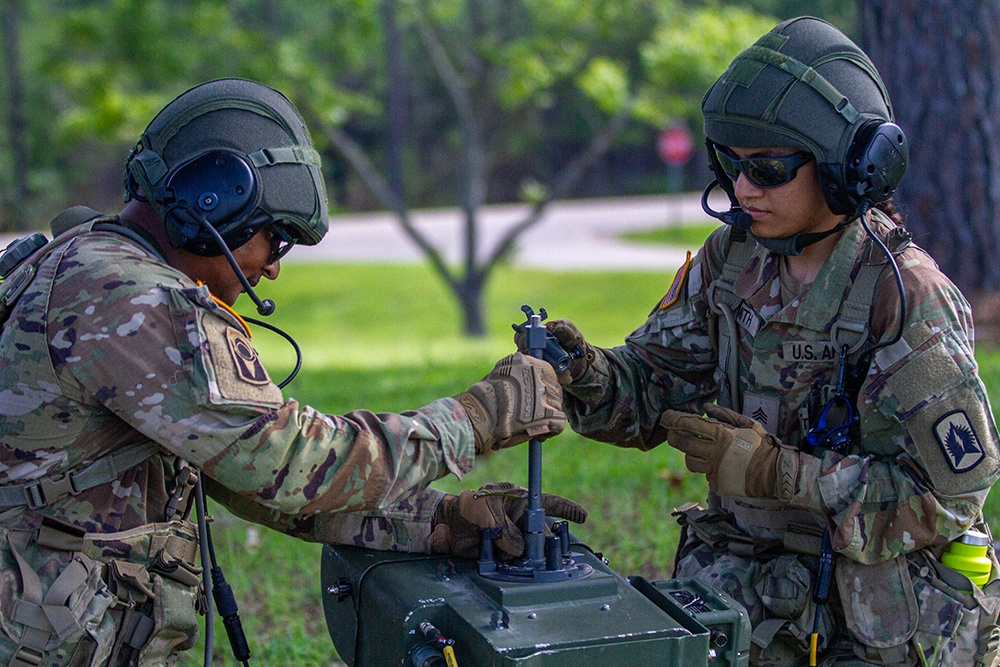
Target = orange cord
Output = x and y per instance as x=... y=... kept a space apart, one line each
x=229 y=309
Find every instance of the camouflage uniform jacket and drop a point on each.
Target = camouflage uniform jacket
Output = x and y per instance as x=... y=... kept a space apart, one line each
x=901 y=489
x=109 y=346
x=916 y=478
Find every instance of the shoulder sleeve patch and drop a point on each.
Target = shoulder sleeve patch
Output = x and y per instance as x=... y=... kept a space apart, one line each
x=245 y=358
x=235 y=371
x=946 y=413
x=958 y=440
x=674 y=293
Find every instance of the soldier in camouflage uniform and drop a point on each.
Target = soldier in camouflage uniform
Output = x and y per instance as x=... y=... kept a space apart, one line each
x=758 y=330
x=123 y=371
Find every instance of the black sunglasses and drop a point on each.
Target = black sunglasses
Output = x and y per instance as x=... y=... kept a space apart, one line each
x=281 y=243
x=764 y=172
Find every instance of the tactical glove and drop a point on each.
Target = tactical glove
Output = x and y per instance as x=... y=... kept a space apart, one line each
x=518 y=400
x=459 y=520
x=569 y=338
x=737 y=455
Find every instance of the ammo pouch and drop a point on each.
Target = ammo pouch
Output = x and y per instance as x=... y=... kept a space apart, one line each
x=715 y=528
x=915 y=610
x=132 y=596
x=895 y=611
x=784 y=584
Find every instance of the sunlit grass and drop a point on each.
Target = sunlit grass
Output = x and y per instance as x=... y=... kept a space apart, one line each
x=684 y=236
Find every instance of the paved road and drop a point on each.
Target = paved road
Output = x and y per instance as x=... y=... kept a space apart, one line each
x=572 y=234
x=580 y=234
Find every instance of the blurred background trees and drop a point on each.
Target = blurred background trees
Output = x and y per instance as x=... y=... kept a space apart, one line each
x=83 y=77
x=420 y=103
x=940 y=60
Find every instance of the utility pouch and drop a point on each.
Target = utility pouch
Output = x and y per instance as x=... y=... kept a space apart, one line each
x=957 y=624
x=988 y=644
x=53 y=605
x=785 y=589
x=880 y=608
x=175 y=619
x=155 y=574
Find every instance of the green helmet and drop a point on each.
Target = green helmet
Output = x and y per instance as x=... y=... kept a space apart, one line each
x=228 y=158
x=805 y=84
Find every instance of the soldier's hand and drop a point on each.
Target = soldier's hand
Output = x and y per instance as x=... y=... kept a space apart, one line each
x=459 y=520
x=737 y=455
x=569 y=337
x=518 y=400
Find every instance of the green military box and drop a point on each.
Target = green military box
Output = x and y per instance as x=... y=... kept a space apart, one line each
x=375 y=603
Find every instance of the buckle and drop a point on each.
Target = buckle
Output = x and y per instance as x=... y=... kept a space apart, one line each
x=26 y=656
x=185 y=482
x=48 y=490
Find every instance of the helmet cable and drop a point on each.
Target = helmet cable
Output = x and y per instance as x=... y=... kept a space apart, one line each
x=220 y=590
x=265 y=307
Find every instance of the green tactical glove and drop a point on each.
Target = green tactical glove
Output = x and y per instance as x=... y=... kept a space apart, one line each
x=569 y=337
x=459 y=520
x=737 y=455
x=518 y=400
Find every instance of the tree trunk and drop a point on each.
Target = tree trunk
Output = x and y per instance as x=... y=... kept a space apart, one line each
x=940 y=61
x=16 y=125
x=470 y=295
x=395 y=99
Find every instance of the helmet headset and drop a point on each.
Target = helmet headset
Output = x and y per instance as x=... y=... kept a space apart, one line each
x=223 y=161
x=805 y=84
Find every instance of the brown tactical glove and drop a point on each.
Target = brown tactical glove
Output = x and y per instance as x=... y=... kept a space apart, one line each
x=737 y=455
x=569 y=338
x=459 y=520
x=518 y=400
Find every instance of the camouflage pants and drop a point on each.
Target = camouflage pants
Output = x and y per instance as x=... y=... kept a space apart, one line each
x=777 y=594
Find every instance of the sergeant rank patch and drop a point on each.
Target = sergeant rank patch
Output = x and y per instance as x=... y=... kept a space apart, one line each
x=959 y=441
x=670 y=298
x=248 y=366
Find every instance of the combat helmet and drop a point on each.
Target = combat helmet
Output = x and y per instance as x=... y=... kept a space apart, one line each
x=806 y=84
x=233 y=155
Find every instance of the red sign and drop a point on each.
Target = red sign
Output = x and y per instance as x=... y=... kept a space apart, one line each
x=675 y=144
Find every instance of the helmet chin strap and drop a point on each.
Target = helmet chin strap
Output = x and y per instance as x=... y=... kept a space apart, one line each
x=794 y=245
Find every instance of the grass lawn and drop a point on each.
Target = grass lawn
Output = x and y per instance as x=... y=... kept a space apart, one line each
x=387 y=338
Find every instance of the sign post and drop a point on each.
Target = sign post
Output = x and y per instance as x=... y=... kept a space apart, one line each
x=675 y=146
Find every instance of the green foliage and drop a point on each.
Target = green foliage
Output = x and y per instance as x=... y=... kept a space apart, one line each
x=689 y=51
x=117 y=62
x=544 y=75
x=606 y=83
x=539 y=71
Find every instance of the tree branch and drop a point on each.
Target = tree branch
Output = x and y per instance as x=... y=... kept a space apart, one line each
x=378 y=186
x=473 y=153
x=564 y=181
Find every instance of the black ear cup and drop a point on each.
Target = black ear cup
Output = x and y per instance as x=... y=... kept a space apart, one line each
x=876 y=162
x=219 y=188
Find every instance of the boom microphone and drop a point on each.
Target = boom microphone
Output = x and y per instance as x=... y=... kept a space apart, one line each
x=265 y=307
x=734 y=217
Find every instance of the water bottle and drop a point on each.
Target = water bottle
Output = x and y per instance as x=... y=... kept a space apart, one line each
x=967 y=555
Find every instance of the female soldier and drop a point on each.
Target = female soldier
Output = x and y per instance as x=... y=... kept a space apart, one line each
x=846 y=425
